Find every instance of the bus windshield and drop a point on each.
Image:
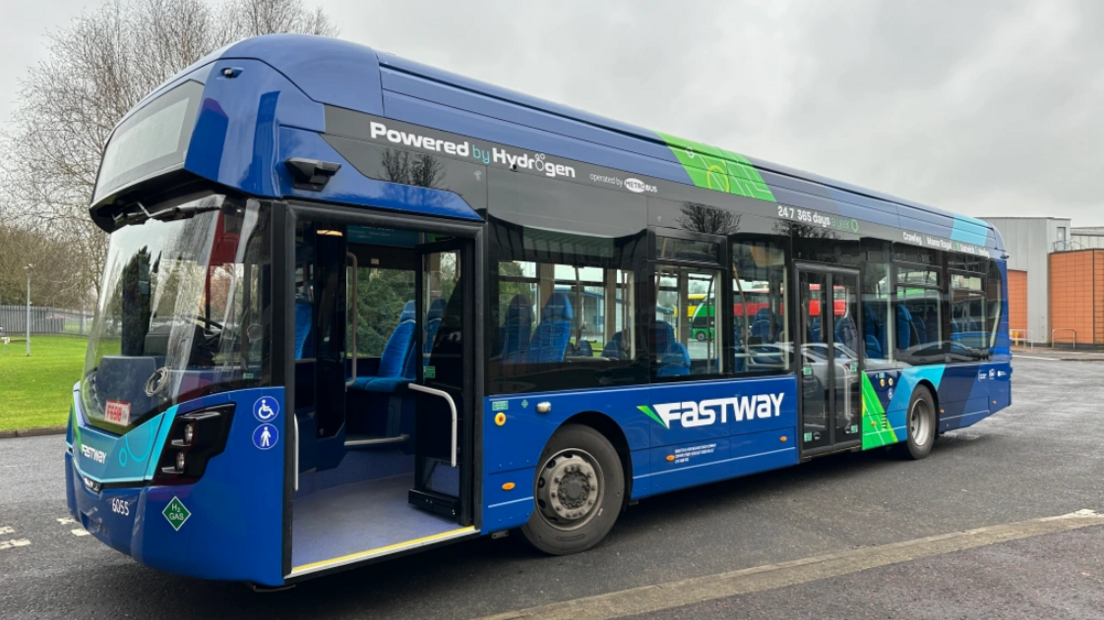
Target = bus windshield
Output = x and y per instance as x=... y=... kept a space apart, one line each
x=183 y=312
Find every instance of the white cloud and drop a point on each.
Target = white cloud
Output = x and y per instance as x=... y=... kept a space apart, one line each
x=985 y=107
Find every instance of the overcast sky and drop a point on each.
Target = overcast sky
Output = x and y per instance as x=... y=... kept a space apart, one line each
x=982 y=107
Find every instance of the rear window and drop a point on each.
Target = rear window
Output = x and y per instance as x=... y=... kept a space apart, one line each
x=152 y=140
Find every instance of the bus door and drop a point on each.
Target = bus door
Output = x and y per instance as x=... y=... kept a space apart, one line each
x=446 y=349
x=830 y=358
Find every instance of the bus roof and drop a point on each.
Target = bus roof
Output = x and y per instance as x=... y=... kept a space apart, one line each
x=355 y=77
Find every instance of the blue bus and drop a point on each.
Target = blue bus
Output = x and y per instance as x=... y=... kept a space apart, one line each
x=341 y=318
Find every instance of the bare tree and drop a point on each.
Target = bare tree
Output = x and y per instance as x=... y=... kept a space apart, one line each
x=98 y=68
x=403 y=167
x=52 y=283
x=711 y=220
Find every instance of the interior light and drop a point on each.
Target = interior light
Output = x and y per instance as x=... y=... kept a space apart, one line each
x=331 y=233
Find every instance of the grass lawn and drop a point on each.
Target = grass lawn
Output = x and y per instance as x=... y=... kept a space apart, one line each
x=38 y=390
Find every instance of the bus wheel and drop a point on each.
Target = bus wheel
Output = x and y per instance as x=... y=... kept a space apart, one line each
x=579 y=490
x=700 y=336
x=922 y=423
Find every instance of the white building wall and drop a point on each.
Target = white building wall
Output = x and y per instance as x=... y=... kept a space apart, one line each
x=1084 y=241
x=1028 y=242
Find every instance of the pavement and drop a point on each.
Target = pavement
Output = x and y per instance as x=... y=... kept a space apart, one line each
x=963 y=534
x=1066 y=354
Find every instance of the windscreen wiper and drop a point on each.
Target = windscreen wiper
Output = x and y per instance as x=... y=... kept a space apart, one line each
x=177 y=212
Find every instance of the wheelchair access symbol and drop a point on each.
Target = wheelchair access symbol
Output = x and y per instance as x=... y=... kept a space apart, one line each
x=266 y=409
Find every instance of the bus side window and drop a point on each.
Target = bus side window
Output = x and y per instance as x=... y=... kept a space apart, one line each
x=564 y=317
x=763 y=342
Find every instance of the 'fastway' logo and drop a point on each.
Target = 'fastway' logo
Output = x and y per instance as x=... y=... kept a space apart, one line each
x=91 y=453
x=704 y=413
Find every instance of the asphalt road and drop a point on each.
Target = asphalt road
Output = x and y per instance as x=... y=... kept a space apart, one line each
x=1040 y=458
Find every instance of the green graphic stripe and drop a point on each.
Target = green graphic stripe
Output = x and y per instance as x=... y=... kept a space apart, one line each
x=651 y=414
x=717 y=169
x=876 y=429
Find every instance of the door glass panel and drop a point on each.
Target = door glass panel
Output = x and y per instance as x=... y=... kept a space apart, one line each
x=442 y=319
x=442 y=308
x=848 y=398
x=816 y=372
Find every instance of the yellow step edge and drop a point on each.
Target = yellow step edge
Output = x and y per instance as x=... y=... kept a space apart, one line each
x=379 y=551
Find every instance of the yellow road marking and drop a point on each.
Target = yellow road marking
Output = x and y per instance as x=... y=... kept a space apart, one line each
x=648 y=599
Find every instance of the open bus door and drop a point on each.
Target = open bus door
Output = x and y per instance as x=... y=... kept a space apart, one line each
x=446 y=346
x=384 y=387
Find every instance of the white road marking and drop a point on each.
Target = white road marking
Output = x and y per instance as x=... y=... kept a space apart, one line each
x=8 y=544
x=1033 y=357
x=7 y=530
x=648 y=599
x=79 y=532
x=66 y=521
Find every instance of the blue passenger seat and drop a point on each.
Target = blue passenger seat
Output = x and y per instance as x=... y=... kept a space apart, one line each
x=847 y=333
x=615 y=349
x=549 y=342
x=814 y=330
x=516 y=329
x=872 y=334
x=432 y=324
x=584 y=349
x=675 y=363
x=760 y=327
x=396 y=364
x=904 y=327
x=664 y=336
x=921 y=328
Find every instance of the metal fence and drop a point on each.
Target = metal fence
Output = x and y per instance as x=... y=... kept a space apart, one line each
x=44 y=320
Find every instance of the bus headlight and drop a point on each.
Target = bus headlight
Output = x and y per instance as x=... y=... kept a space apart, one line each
x=194 y=439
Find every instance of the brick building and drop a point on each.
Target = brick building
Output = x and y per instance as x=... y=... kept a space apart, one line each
x=1055 y=280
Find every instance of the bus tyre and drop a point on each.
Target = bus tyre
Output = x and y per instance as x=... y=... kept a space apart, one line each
x=700 y=336
x=921 y=424
x=579 y=489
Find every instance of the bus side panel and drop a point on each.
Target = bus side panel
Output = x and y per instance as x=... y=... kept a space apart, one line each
x=964 y=395
x=711 y=430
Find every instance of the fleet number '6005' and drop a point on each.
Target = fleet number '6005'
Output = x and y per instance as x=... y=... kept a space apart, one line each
x=120 y=506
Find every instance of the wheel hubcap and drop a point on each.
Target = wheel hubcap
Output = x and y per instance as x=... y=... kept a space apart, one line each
x=569 y=489
x=920 y=423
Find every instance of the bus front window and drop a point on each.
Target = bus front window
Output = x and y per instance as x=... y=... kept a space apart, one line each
x=184 y=311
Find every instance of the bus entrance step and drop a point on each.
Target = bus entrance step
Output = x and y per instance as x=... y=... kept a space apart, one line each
x=353 y=442
x=437 y=503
